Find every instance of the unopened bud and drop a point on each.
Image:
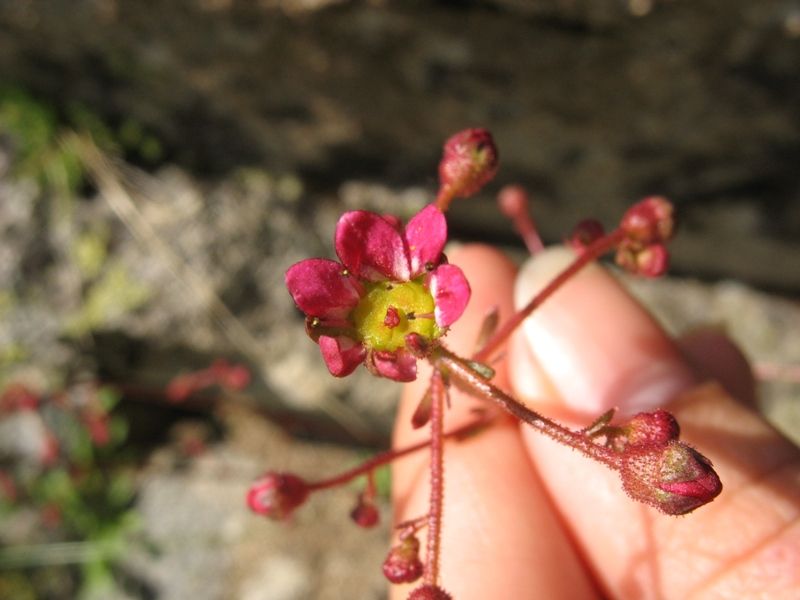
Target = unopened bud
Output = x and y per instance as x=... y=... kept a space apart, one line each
x=232 y=376
x=180 y=388
x=429 y=592
x=469 y=162
x=365 y=514
x=402 y=564
x=513 y=201
x=674 y=477
x=277 y=495
x=649 y=221
x=237 y=378
x=647 y=261
x=585 y=233
x=653 y=261
x=649 y=428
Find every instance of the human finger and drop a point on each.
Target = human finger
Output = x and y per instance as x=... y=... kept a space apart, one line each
x=593 y=347
x=500 y=538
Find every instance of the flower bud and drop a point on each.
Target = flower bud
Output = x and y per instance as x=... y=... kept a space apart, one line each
x=513 y=201
x=233 y=376
x=648 y=261
x=365 y=514
x=649 y=221
x=277 y=495
x=469 y=162
x=429 y=592
x=402 y=564
x=673 y=477
x=650 y=428
x=180 y=388
x=653 y=261
x=585 y=233
x=236 y=378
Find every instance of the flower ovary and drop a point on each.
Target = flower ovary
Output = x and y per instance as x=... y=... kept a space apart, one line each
x=405 y=303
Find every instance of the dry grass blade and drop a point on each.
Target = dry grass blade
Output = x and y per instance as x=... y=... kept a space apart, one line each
x=109 y=180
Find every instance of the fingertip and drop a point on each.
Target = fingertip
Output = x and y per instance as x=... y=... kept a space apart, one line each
x=596 y=344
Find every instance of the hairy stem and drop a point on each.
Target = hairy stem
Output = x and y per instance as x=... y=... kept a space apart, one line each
x=438 y=393
x=464 y=376
x=592 y=252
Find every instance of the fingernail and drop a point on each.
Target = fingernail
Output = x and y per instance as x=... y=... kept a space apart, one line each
x=599 y=348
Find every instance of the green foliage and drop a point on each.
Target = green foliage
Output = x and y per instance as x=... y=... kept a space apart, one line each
x=34 y=129
x=84 y=501
x=37 y=133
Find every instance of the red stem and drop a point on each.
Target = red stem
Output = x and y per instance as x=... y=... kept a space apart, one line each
x=527 y=231
x=436 y=502
x=590 y=253
x=386 y=457
x=444 y=198
x=465 y=376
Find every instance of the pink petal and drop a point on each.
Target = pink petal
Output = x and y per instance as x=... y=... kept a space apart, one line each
x=398 y=365
x=450 y=291
x=426 y=234
x=341 y=354
x=370 y=247
x=320 y=290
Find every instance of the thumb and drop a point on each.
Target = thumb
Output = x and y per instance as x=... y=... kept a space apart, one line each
x=592 y=347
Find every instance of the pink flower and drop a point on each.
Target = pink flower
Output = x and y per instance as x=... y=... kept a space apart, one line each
x=392 y=281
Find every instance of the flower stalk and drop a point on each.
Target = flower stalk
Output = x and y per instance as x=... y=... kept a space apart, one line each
x=592 y=252
x=434 y=540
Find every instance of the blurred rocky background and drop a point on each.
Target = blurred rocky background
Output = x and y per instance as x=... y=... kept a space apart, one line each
x=162 y=163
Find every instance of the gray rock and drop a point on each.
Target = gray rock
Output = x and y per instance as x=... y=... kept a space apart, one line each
x=593 y=103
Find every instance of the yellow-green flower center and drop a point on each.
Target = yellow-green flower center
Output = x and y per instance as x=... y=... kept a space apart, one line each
x=410 y=310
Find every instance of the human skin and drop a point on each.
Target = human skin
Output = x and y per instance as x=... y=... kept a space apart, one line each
x=527 y=518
